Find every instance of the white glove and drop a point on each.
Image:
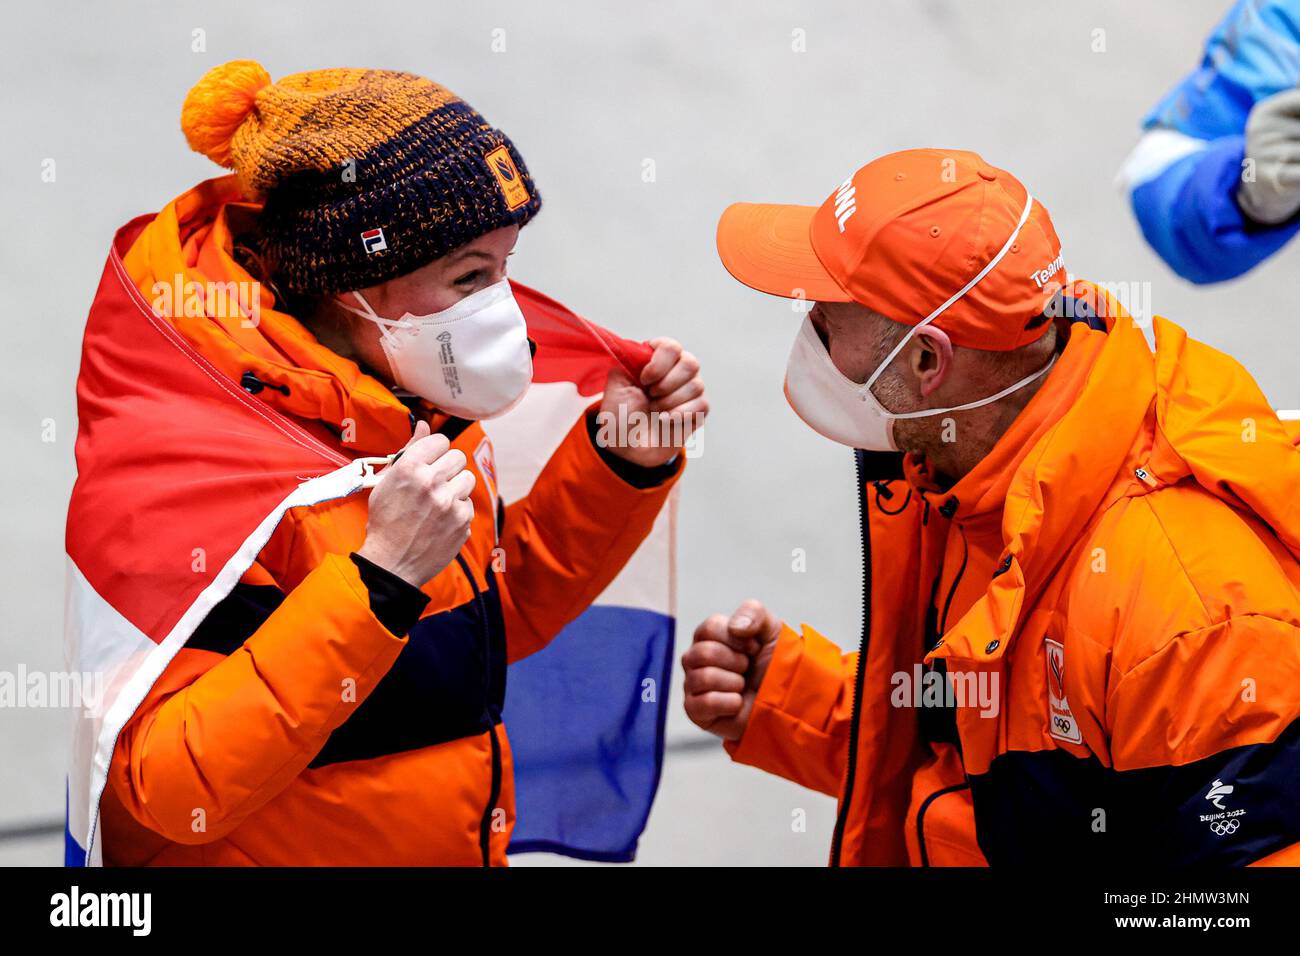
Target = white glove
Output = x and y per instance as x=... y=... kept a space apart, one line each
x=1273 y=142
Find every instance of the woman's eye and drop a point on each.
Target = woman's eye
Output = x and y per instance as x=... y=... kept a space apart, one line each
x=469 y=278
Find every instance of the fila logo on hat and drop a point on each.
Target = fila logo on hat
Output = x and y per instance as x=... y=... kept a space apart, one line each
x=373 y=241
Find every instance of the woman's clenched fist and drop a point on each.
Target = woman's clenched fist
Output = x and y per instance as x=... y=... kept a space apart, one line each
x=420 y=511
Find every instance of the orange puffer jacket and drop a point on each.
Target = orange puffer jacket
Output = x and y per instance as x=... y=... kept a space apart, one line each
x=295 y=728
x=1087 y=650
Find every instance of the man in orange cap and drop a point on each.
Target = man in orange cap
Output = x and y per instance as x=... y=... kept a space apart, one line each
x=1081 y=635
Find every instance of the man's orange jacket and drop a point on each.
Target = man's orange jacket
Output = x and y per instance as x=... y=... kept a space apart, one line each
x=1085 y=651
x=295 y=728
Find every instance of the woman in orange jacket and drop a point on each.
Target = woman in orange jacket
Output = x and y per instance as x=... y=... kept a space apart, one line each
x=343 y=704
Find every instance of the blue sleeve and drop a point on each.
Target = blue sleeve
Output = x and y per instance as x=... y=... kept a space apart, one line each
x=1253 y=53
x=1188 y=209
x=1189 y=215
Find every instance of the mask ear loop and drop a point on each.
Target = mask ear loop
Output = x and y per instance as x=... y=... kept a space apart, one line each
x=927 y=412
x=956 y=296
x=370 y=315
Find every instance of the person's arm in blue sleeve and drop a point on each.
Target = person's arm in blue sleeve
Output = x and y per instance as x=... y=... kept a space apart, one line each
x=1189 y=215
x=1182 y=178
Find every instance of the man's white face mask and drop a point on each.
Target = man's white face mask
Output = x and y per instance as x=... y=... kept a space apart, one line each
x=471 y=360
x=846 y=411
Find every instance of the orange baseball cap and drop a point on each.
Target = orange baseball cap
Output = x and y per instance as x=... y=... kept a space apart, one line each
x=908 y=235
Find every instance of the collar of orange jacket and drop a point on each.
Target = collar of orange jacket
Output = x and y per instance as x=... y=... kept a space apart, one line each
x=182 y=262
x=1133 y=419
x=981 y=492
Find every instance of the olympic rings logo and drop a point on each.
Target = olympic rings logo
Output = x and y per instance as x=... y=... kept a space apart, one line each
x=1224 y=827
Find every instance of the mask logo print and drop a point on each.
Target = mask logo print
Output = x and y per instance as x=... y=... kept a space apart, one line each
x=1062 y=724
x=448 y=358
x=373 y=240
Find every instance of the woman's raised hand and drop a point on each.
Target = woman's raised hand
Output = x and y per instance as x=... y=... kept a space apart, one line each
x=420 y=511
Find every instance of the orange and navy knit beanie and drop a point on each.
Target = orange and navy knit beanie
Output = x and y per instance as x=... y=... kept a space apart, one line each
x=364 y=175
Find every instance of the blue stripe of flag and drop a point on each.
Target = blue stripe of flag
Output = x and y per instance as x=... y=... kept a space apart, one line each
x=585 y=717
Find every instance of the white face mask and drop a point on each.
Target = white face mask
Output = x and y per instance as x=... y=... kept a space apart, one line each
x=846 y=411
x=471 y=360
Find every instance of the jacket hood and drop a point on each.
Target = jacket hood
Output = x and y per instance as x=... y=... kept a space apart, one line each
x=183 y=263
x=1215 y=425
x=1143 y=419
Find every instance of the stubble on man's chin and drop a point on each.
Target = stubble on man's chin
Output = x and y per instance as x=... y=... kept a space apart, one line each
x=914 y=440
x=910 y=439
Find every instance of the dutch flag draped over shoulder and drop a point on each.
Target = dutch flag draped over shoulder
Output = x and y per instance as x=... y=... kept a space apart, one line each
x=170 y=451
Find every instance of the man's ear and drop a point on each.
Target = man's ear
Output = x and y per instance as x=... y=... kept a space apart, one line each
x=930 y=358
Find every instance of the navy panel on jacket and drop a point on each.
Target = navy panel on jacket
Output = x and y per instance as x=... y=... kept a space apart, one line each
x=1229 y=809
x=235 y=618
x=448 y=682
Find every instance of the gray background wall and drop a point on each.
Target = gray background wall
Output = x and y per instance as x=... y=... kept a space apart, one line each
x=711 y=92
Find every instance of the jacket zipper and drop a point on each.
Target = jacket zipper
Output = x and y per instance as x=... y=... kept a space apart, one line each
x=837 y=842
x=485 y=825
x=942 y=629
x=952 y=590
x=494 y=791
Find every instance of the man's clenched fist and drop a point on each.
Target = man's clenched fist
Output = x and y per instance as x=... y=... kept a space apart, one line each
x=725 y=666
